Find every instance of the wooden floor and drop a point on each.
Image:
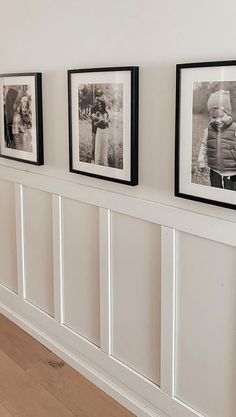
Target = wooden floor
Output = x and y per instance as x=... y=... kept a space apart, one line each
x=36 y=383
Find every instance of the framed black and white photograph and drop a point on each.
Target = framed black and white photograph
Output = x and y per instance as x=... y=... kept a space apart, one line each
x=205 y=164
x=103 y=123
x=21 y=124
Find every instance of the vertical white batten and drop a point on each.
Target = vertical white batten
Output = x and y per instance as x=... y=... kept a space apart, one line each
x=20 y=239
x=105 y=279
x=57 y=256
x=167 y=310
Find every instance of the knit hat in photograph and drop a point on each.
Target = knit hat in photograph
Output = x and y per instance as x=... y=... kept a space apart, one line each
x=220 y=100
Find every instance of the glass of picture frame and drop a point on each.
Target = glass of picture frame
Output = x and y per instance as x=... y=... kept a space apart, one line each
x=103 y=123
x=205 y=155
x=21 y=120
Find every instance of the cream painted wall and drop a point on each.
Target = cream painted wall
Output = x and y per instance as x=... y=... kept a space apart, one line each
x=53 y=36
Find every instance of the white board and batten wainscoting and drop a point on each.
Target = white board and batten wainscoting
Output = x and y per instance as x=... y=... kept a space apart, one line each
x=137 y=296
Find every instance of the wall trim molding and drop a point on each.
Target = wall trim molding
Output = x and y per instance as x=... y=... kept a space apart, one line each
x=136 y=392
x=179 y=219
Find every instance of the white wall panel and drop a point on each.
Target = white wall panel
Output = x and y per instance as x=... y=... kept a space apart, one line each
x=8 y=264
x=206 y=325
x=136 y=278
x=38 y=248
x=81 y=269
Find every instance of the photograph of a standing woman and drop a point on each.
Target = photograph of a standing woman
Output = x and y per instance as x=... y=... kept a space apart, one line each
x=17 y=117
x=101 y=124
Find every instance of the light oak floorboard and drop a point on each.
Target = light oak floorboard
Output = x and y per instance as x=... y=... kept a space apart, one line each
x=4 y=412
x=19 y=345
x=23 y=396
x=75 y=391
x=40 y=380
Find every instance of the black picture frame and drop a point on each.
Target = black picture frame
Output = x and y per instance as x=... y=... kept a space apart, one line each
x=134 y=108
x=215 y=194
x=35 y=82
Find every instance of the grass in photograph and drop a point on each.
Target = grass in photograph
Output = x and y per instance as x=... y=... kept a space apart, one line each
x=115 y=141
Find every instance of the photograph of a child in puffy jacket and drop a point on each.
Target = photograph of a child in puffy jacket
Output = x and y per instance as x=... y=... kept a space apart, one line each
x=214 y=135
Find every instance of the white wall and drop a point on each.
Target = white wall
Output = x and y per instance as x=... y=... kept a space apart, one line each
x=53 y=36
x=125 y=288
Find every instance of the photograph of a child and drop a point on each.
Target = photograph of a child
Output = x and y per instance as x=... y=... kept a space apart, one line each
x=100 y=108
x=214 y=134
x=17 y=117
